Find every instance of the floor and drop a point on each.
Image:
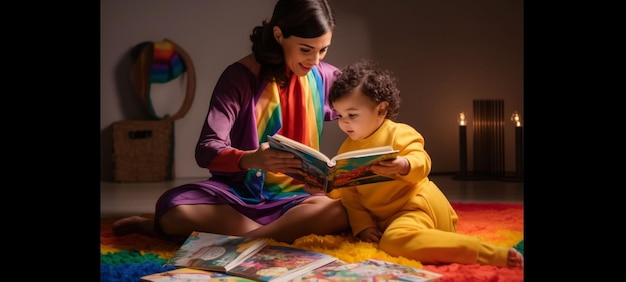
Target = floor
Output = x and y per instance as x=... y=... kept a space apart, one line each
x=122 y=199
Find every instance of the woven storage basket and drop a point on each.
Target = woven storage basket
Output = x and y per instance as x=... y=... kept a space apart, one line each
x=143 y=150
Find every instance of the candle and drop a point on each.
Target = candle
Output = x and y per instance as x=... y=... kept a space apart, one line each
x=462 y=146
x=519 y=146
x=516 y=119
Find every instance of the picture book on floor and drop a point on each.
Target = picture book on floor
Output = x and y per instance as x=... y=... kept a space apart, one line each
x=192 y=275
x=368 y=270
x=343 y=170
x=216 y=252
x=280 y=264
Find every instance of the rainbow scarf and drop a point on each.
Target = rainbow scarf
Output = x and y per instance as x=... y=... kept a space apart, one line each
x=281 y=110
x=296 y=112
x=129 y=257
x=154 y=62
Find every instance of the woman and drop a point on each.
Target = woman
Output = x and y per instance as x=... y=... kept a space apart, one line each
x=280 y=88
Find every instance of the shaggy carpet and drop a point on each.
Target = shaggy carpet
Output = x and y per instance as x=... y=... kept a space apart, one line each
x=129 y=257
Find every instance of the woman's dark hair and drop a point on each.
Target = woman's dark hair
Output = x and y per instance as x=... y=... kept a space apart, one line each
x=302 y=18
x=377 y=84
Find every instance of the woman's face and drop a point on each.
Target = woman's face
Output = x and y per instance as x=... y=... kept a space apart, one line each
x=301 y=54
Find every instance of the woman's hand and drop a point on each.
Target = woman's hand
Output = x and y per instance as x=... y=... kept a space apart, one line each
x=270 y=160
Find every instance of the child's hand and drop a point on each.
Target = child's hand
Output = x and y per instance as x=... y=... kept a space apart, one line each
x=399 y=165
x=371 y=234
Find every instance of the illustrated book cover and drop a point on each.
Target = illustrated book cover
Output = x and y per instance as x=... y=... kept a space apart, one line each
x=343 y=170
x=192 y=275
x=367 y=271
x=280 y=264
x=216 y=252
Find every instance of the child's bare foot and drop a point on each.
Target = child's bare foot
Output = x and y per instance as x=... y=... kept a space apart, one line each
x=515 y=259
x=134 y=224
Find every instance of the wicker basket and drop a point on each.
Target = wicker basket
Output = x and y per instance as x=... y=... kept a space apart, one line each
x=142 y=150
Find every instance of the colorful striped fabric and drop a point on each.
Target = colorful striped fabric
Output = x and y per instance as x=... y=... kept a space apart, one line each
x=154 y=62
x=281 y=111
x=166 y=63
x=129 y=257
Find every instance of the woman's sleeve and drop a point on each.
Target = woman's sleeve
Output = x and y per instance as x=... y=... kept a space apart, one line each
x=232 y=95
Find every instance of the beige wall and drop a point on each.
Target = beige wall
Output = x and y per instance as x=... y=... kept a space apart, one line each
x=445 y=53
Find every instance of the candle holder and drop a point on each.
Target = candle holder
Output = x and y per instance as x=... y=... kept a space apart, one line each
x=462 y=146
x=519 y=146
x=519 y=149
x=462 y=175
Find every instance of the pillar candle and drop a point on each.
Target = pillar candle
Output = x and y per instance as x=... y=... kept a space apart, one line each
x=519 y=152
x=462 y=150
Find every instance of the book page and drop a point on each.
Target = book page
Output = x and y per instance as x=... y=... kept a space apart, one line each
x=364 y=153
x=192 y=275
x=369 y=270
x=357 y=170
x=209 y=251
x=301 y=147
x=280 y=263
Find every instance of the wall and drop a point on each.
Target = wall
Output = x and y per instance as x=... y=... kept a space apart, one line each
x=444 y=53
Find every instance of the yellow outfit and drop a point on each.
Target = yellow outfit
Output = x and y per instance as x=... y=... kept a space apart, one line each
x=416 y=217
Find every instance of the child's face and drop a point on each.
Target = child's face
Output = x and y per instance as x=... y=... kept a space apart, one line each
x=359 y=116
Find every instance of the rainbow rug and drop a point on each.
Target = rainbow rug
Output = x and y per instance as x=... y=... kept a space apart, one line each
x=129 y=257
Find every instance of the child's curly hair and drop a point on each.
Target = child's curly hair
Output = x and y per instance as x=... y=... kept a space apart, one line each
x=376 y=83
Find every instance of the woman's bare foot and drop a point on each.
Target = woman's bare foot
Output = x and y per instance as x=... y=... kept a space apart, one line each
x=134 y=224
x=515 y=259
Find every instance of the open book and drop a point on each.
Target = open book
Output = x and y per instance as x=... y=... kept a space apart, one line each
x=343 y=170
x=280 y=264
x=369 y=270
x=216 y=252
x=192 y=275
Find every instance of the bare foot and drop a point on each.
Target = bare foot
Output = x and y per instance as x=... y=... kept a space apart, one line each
x=515 y=259
x=134 y=224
